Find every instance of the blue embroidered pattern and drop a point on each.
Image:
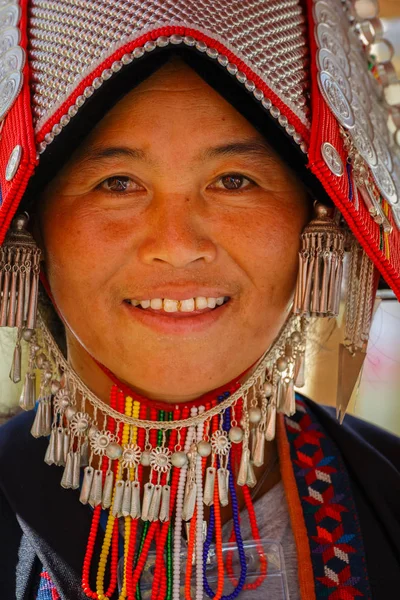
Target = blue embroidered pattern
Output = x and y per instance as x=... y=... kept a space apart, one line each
x=47 y=590
x=336 y=546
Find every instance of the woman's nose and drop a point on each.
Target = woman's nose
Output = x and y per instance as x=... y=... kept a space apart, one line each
x=175 y=232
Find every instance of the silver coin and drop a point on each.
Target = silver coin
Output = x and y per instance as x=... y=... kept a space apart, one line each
x=328 y=62
x=332 y=159
x=364 y=144
x=10 y=87
x=9 y=16
x=382 y=151
x=379 y=121
x=5 y=2
x=385 y=183
x=336 y=100
x=332 y=44
x=326 y=12
x=330 y=38
x=9 y=38
x=13 y=60
x=361 y=116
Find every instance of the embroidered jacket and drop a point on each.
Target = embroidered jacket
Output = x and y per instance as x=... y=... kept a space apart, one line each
x=342 y=485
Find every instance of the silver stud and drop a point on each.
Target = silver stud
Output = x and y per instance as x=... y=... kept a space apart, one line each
x=98 y=82
x=223 y=60
x=232 y=69
x=267 y=104
x=212 y=53
x=241 y=77
x=116 y=66
x=303 y=147
x=176 y=39
x=106 y=74
x=283 y=120
x=201 y=46
x=13 y=162
x=80 y=101
x=57 y=129
x=189 y=40
x=250 y=86
x=150 y=46
x=258 y=94
x=65 y=119
x=49 y=137
x=127 y=59
x=138 y=52
x=275 y=112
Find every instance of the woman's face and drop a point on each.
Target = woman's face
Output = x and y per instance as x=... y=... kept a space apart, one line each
x=173 y=199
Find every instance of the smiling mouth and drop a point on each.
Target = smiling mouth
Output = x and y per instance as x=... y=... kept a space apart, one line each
x=187 y=307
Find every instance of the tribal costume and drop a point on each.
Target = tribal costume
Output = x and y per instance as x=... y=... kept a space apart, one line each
x=304 y=75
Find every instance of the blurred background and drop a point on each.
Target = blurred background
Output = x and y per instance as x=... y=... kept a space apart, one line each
x=378 y=396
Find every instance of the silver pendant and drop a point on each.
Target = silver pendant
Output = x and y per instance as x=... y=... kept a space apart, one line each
x=289 y=400
x=50 y=456
x=86 y=485
x=66 y=441
x=66 y=481
x=155 y=503
x=135 y=500
x=251 y=480
x=126 y=501
x=118 y=497
x=85 y=454
x=271 y=422
x=208 y=497
x=299 y=372
x=76 y=470
x=244 y=467
x=165 y=504
x=96 y=492
x=258 y=454
x=59 y=447
x=108 y=490
x=223 y=478
x=147 y=496
x=47 y=416
x=38 y=423
x=15 y=373
x=189 y=502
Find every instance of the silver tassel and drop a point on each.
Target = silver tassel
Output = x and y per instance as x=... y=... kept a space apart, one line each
x=50 y=456
x=108 y=490
x=154 y=509
x=165 y=504
x=38 y=422
x=208 y=497
x=126 y=500
x=271 y=422
x=66 y=439
x=289 y=399
x=223 y=475
x=147 y=496
x=67 y=478
x=76 y=470
x=85 y=454
x=60 y=448
x=244 y=467
x=258 y=454
x=27 y=399
x=15 y=373
x=299 y=370
x=96 y=491
x=47 y=416
x=118 y=497
x=251 y=476
x=189 y=502
x=86 y=485
x=135 y=500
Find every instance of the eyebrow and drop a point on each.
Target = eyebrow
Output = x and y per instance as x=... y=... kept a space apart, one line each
x=250 y=147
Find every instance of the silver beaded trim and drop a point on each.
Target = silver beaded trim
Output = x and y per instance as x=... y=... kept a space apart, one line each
x=162 y=42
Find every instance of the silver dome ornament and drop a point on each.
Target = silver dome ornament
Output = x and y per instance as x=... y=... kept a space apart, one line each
x=70 y=412
x=282 y=364
x=204 y=448
x=236 y=435
x=114 y=451
x=254 y=415
x=179 y=459
x=145 y=458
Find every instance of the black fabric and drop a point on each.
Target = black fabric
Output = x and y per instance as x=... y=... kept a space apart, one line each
x=112 y=90
x=39 y=518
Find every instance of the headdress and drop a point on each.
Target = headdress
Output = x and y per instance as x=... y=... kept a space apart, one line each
x=300 y=69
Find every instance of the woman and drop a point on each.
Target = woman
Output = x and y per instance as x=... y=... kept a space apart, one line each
x=168 y=209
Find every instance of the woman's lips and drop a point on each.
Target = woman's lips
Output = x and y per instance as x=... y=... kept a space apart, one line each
x=177 y=322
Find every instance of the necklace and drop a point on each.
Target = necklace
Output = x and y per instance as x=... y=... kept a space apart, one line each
x=162 y=467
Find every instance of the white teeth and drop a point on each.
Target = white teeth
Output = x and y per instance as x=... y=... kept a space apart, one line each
x=211 y=302
x=156 y=303
x=187 y=305
x=170 y=305
x=201 y=302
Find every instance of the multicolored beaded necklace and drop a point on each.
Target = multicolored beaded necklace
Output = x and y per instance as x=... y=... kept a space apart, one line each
x=157 y=468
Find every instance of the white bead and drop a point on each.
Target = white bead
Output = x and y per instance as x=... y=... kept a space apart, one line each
x=179 y=460
x=70 y=412
x=281 y=364
x=236 y=435
x=204 y=448
x=267 y=387
x=145 y=458
x=114 y=451
x=254 y=415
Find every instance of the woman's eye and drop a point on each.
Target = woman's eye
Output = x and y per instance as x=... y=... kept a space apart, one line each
x=119 y=184
x=232 y=182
